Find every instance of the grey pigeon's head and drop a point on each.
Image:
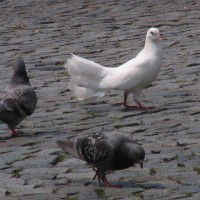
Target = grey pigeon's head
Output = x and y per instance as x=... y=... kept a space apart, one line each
x=20 y=75
x=138 y=153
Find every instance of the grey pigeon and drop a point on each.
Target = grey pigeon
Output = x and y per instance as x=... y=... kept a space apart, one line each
x=19 y=100
x=105 y=152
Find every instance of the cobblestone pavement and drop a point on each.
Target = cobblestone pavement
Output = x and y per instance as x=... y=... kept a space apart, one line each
x=110 y=33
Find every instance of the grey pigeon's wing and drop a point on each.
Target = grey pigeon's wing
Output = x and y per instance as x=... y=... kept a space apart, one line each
x=115 y=138
x=10 y=114
x=27 y=99
x=21 y=100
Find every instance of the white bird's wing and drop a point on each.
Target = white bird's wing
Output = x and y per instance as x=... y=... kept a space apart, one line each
x=124 y=77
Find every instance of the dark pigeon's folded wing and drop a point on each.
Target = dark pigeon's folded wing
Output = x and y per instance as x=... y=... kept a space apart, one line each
x=21 y=100
x=96 y=150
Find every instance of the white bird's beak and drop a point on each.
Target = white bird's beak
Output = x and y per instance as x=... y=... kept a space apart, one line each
x=160 y=37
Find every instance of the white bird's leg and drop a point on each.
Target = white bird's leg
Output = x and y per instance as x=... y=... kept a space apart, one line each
x=125 y=98
x=128 y=107
x=139 y=105
x=124 y=103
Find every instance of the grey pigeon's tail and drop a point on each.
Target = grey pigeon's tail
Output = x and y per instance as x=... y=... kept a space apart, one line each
x=61 y=144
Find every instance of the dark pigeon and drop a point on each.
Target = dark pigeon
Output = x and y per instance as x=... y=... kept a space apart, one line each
x=106 y=152
x=19 y=100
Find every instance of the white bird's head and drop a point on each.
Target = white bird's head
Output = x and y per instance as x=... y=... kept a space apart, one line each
x=153 y=34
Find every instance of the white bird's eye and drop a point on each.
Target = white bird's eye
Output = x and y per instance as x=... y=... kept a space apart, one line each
x=152 y=32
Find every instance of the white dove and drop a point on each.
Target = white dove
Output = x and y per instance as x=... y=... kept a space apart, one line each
x=88 y=78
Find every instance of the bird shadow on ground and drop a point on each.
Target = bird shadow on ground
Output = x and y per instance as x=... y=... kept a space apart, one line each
x=46 y=134
x=4 y=138
x=129 y=184
x=142 y=185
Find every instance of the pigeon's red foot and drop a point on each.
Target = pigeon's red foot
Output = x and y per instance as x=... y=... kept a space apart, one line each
x=107 y=184
x=138 y=107
x=146 y=107
x=132 y=107
x=118 y=104
x=141 y=107
x=127 y=106
x=102 y=179
x=15 y=132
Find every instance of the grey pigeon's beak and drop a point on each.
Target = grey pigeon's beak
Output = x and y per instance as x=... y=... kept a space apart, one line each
x=141 y=163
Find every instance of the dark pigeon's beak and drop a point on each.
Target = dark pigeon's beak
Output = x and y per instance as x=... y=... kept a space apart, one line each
x=141 y=163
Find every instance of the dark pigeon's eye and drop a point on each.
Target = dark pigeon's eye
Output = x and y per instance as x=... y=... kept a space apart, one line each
x=152 y=32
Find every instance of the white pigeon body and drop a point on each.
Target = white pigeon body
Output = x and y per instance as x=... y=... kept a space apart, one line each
x=88 y=78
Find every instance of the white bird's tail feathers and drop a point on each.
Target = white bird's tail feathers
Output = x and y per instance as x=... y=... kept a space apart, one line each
x=85 y=77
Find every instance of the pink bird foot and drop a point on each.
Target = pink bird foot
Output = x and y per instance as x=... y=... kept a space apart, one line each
x=141 y=107
x=15 y=132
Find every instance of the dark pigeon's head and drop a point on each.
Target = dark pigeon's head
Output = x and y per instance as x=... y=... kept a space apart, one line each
x=138 y=154
x=20 y=74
